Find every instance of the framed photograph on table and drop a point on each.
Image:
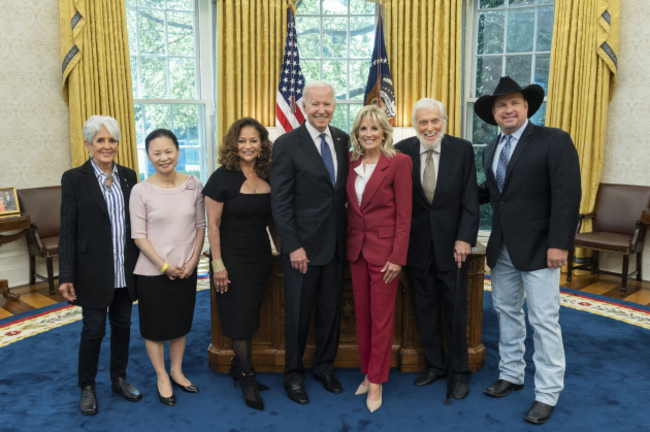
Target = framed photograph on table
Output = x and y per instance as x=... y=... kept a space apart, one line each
x=9 y=201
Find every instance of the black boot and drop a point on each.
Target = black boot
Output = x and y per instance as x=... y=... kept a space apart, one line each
x=236 y=372
x=250 y=391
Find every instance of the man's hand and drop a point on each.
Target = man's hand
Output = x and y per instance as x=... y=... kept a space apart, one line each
x=556 y=258
x=67 y=291
x=461 y=251
x=299 y=260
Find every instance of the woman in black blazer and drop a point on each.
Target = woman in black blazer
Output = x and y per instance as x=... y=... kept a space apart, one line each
x=97 y=256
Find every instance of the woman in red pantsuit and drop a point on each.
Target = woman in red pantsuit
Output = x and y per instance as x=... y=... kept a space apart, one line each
x=379 y=220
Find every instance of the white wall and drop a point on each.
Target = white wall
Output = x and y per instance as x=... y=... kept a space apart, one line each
x=34 y=124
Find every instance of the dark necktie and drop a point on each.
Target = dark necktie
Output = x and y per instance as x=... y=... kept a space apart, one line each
x=504 y=158
x=326 y=154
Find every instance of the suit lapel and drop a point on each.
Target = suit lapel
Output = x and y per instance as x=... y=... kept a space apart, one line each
x=519 y=149
x=92 y=185
x=341 y=156
x=376 y=179
x=488 y=158
x=351 y=190
x=446 y=162
x=414 y=151
x=307 y=145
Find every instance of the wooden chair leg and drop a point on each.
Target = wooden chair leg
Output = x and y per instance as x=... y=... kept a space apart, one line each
x=569 y=266
x=626 y=269
x=50 y=274
x=639 y=265
x=32 y=269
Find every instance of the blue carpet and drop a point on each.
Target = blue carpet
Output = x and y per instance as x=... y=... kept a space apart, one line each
x=606 y=389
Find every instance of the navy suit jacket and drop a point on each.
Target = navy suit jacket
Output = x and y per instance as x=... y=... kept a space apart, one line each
x=85 y=241
x=538 y=208
x=308 y=211
x=453 y=214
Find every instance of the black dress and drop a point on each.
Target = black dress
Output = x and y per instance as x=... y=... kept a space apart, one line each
x=245 y=251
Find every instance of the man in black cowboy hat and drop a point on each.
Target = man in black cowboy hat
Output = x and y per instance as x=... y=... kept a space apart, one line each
x=533 y=183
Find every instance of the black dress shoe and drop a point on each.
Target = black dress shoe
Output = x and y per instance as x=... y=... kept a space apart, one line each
x=126 y=390
x=188 y=389
x=296 y=392
x=501 y=388
x=460 y=389
x=169 y=401
x=88 y=402
x=539 y=413
x=427 y=377
x=330 y=383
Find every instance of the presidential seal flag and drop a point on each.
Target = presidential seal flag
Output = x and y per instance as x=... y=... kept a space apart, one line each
x=288 y=108
x=379 y=89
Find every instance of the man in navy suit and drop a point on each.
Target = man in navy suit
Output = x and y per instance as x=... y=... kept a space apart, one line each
x=444 y=227
x=308 y=174
x=533 y=183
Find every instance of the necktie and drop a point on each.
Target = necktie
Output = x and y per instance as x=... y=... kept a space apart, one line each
x=108 y=181
x=326 y=154
x=504 y=158
x=429 y=177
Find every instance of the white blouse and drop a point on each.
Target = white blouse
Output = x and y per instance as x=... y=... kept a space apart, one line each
x=362 y=179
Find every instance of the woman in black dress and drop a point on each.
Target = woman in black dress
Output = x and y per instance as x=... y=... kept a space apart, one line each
x=237 y=200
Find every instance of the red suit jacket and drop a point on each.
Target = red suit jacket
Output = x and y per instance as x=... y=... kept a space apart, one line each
x=380 y=227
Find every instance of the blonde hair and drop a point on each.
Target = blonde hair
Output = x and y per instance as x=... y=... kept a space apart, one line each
x=375 y=115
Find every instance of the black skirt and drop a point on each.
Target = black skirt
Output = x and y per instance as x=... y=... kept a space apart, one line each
x=166 y=307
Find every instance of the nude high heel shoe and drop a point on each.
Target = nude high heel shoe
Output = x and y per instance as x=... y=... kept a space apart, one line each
x=361 y=390
x=374 y=405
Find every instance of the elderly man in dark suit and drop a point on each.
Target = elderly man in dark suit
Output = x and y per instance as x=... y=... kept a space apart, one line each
x=97 y=256
x=444 y=227
x=533 y=183
x=308 y=173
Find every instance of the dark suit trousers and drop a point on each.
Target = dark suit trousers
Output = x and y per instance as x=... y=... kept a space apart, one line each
x=319 y=287
x=433 y=290
x=92 y=333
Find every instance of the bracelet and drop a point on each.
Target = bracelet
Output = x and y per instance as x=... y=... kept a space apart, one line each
x=217 y=265
x=164 y=267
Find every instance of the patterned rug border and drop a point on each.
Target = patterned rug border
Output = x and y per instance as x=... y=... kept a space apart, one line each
x=40 y=322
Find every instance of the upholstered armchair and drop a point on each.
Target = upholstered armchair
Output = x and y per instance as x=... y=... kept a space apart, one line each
x=44 y=208
x=616 y=228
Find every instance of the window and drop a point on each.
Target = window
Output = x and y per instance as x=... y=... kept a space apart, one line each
x=510 y=37
x=167 y=90
x=335 y=39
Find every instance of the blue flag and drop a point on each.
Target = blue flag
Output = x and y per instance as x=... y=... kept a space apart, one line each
x=379 y=89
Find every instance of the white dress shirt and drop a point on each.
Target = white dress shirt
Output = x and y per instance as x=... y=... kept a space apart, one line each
x=315 y=135
x=513 y=143
x=363 y=176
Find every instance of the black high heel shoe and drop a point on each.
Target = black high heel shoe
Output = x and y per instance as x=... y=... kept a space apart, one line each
x=250 y=391
x=170 y=401
x=236 y=372
x=188 y=389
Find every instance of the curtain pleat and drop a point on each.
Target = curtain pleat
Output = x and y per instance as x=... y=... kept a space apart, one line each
x=96 y=72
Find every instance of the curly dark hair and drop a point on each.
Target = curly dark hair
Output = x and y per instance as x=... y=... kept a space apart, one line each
x=228 y=154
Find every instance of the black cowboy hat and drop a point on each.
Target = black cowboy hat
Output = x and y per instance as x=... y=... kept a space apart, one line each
x=534 y=95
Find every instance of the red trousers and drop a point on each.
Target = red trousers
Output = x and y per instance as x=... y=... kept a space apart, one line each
x=374 y=307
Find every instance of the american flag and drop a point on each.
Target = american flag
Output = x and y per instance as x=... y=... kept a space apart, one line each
x=379 y=89
x=288 y=109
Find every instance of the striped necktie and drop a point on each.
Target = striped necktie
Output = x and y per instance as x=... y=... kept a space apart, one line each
x=504 y=158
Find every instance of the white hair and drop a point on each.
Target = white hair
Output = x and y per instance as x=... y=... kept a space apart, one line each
x=95 y=123
x=430 y=103
x=315 y=84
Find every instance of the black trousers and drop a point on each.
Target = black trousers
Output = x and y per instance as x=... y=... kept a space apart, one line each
x=433 y=289
x=320 y=287
x=92 y=333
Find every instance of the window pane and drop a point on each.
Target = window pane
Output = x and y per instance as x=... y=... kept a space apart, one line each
x=308 y=33
x=359 y=70
x=154 y=77
x=521 y=25
x=340 y=118
x=544 y=28
x=185 y=126
x=335 y=37
x=488 y=72
x=160 y=4
x=490 y=32
x=308 y=7
x=310 y=70
x=518 y=68
x=482 y=133
x=182 y=78
x=540 y=116
x=187 y=5
x=542 y=63
x=362 y=7
x=335 y=7
x=354 y=110
x=521 y=2
x=335 y=72
x=151 y=29
x=131 y=24
x=362 y=36
x=484 y=4
x=180 y=33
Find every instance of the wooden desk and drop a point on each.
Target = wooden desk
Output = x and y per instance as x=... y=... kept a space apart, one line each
x=645 y=217
x=20 y=223
x=268 y=345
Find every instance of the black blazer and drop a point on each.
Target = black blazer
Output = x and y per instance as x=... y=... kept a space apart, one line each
x=453 y=214
x=307 y=210
x=85 y=244
x=538 y=208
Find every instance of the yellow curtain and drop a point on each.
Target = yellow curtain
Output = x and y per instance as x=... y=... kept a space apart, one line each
x=582 y=81
x=250 y=43
x=424 y=42
x=96 y=72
